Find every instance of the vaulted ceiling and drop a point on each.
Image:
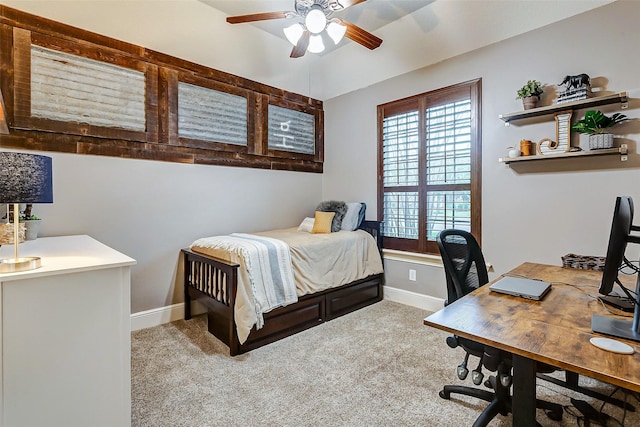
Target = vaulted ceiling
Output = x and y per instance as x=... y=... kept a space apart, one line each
x=416 y=33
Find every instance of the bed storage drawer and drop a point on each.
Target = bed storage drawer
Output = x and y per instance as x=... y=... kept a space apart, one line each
x=343 y=301
x=287 y=320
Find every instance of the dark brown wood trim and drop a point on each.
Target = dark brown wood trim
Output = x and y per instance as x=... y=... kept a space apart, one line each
x=380 y=166
x=319 y=135
x=211 y=145
x=167 y=106
x=6 y=70
x=21 y=94
x=259 y=125
x=421 y=102
x=476 y=161
x=151 y=103
x=159 y=141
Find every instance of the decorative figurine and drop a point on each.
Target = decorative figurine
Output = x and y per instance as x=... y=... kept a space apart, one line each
x=579 y=80
x=577 y=87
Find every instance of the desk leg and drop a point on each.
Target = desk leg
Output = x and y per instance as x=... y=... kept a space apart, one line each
x=524 y=392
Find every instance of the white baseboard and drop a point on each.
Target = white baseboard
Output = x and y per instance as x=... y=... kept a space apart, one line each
x=171 y=313
x=424 y=302
x=161 y=315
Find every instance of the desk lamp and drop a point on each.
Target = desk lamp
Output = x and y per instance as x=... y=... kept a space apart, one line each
x=24 y=178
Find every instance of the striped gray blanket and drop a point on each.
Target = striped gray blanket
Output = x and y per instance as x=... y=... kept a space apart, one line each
x=268 y=262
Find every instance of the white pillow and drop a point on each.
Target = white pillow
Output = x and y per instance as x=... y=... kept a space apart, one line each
x=350 y=220
x=307 y=225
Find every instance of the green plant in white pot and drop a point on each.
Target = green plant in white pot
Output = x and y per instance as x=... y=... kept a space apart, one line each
x=530 y=94
x=31 y=222
x=597 y=125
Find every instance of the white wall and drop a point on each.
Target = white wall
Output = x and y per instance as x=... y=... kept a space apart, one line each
x=150 y=210
x=196 y=31
x=536 y=212
x=186 y=29
x=145 y=209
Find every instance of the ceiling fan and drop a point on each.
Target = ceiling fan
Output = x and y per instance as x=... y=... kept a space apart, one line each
x=317 y=17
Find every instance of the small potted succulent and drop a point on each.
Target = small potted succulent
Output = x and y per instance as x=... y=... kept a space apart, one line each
x=530 y=94
x=597 y=125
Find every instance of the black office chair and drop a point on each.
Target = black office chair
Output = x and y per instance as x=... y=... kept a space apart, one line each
x=465 y=271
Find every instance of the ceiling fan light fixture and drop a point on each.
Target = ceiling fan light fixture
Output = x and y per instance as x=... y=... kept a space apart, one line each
x=336 y=31
x=315 y=44
x=293 y=33
x=315 y=20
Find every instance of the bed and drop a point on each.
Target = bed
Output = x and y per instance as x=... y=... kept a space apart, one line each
x=217 y=280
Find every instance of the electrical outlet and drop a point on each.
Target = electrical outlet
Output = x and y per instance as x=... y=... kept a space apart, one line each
x=412 y=275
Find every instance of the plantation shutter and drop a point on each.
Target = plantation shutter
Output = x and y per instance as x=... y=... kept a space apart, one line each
x=401 y=175
x=448 y=141
x=429 y=163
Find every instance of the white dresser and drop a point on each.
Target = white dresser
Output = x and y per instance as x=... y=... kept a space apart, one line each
x=65 y=336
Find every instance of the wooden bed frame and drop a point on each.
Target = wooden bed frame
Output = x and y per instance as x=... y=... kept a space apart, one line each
x=213 y=282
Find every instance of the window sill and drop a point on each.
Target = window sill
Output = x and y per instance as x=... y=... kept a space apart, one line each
x=418 y=258
x=412 y=257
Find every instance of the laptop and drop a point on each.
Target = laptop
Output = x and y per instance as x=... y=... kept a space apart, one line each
x=521 y=287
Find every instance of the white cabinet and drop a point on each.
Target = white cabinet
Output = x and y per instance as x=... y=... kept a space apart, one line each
x=65 y=336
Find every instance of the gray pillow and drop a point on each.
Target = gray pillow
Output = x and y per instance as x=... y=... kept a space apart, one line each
x=340 y=209
x=351 y=221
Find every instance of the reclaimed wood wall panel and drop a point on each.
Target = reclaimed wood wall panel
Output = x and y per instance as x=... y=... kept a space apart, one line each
x=74 y=91
x=21 y=68
x=168 y=106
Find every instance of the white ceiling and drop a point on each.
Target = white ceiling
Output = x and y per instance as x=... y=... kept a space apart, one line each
x=370 y=15
x=415 y=33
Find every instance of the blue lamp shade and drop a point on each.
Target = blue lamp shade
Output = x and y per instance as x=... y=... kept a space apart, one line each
x=25 y=178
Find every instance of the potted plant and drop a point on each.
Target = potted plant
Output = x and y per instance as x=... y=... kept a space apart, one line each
x=596 y=124
x=530 y=94
x=31 y=222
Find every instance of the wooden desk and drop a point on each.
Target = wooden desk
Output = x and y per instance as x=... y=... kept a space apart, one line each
x=555 y=331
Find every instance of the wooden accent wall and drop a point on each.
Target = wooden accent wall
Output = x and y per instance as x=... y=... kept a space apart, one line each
x=160 y=140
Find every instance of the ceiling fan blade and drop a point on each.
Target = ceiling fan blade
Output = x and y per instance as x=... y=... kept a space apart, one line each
x=257 y=17
x=361 y=36
x=300 y=49
x=343 y=4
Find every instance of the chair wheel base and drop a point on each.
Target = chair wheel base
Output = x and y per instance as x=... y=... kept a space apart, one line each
x=444 y=395
x=554 y=415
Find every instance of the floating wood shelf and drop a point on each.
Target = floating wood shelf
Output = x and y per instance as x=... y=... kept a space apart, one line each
x=575 y=105
x=622 y=151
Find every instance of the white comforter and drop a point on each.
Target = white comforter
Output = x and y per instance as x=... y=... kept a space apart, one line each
x=319 y=262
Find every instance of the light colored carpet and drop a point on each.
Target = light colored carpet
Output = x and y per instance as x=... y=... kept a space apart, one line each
x=379 y=366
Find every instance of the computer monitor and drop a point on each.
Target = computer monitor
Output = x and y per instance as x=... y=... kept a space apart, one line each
x=620 y=234
x=620 y=230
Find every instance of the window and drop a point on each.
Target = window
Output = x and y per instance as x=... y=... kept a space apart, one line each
x=429 y=166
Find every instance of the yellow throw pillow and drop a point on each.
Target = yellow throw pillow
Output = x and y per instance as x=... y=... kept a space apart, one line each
x=322 y=223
